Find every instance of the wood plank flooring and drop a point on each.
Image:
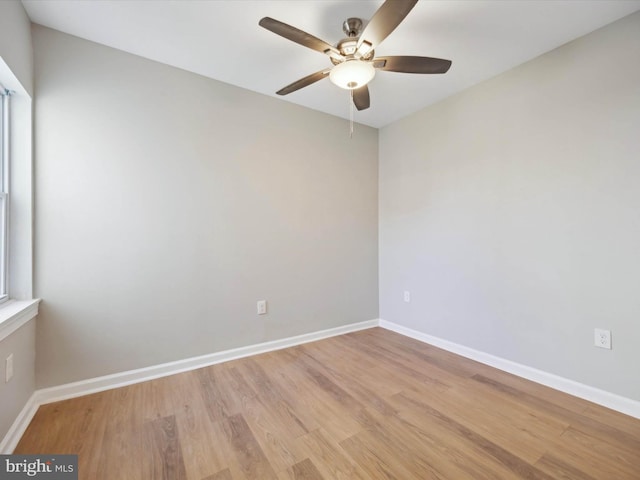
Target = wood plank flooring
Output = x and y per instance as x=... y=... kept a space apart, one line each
x=366 y=405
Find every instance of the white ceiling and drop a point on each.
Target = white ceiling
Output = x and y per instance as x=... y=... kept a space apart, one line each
x=221 y=39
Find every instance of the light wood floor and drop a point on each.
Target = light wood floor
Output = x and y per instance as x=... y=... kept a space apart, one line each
x=367 y=405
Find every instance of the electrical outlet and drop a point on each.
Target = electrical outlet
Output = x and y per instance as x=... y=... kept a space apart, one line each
x=8 y=371
x=262 y=307
x=407 y=296
x=602 y=338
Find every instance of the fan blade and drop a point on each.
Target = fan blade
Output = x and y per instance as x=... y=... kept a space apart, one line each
x=303 y=82
x=408 y=64
x=383 y=22
x=361 y=98
x=296 y=35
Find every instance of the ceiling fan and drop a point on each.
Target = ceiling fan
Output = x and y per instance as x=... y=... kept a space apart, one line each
x=353 y=58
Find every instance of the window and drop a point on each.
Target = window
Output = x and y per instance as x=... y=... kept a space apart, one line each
x=4 y=191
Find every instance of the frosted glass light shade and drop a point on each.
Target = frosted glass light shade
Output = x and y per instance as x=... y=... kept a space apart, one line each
x=352 y=74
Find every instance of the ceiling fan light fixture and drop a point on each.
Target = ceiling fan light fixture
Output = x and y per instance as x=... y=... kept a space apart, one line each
x=352 y=74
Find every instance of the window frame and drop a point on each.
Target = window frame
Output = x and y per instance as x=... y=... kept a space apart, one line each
x=4 y=191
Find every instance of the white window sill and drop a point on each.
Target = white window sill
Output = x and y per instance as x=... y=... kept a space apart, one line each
x=15 y=313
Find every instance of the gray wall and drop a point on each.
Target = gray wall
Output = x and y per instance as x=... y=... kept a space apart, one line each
x=168 y=204
x=512 y=213
x=16 y=54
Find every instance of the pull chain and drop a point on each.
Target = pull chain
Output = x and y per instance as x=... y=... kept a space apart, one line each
x=351 y=114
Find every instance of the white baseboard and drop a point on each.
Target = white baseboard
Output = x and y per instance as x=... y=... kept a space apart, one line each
x=13 y=436
x=122 y=379
x=592 y=394
x=107 y=382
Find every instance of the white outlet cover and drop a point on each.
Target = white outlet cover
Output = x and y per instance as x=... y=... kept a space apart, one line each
x=8 y=368
x=407 y=296
x=602 y=338
x=261 y=307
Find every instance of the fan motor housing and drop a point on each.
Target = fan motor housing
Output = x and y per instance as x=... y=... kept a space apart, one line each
x=348 y=48
x=352 y=27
